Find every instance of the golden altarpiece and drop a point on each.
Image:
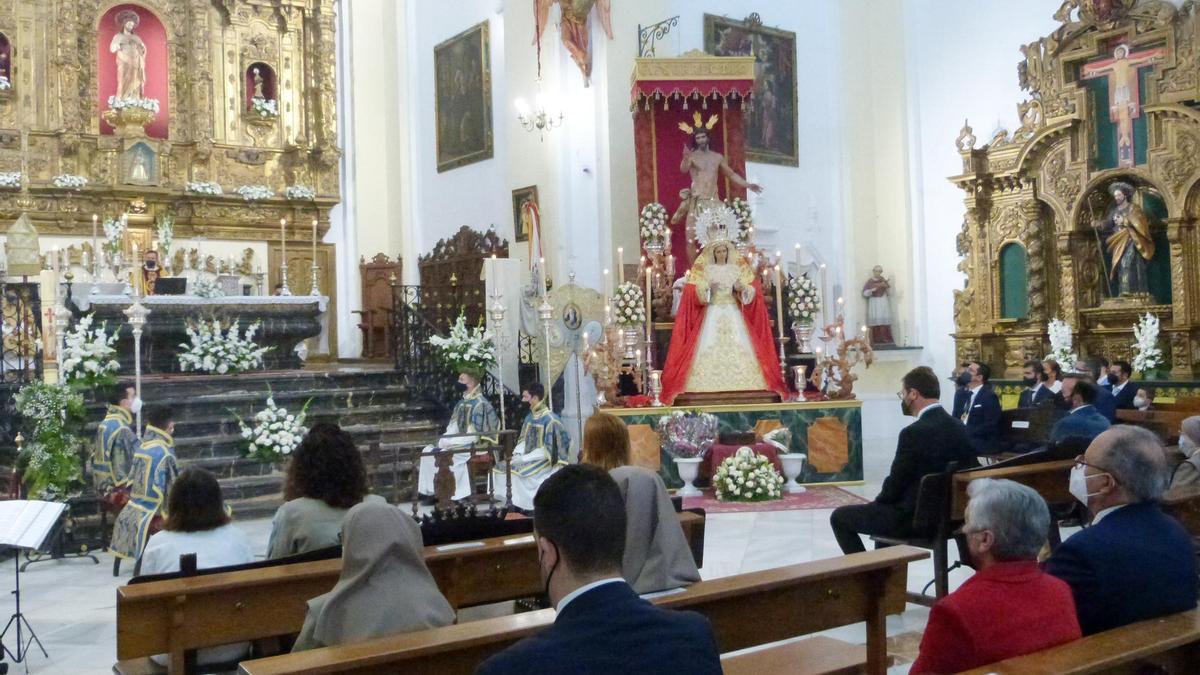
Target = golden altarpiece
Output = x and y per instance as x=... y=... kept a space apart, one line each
x=1088 y=211
x=244 y=93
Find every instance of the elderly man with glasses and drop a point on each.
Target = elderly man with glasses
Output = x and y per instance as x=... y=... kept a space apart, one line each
x=1134 y=562
x=1010 y=607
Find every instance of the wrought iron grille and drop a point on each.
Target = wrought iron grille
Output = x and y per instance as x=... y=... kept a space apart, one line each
x=21 y=352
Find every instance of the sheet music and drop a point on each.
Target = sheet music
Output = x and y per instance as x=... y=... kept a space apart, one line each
x=25 y=524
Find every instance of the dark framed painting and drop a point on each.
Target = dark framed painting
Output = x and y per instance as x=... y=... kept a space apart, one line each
x=463 y=99
x=521 y=225
x=771 y=124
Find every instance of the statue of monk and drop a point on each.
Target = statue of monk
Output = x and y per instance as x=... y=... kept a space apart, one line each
x=131 y=56
x=704 y=164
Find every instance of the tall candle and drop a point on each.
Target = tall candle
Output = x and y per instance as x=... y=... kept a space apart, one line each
x=779 y=299
x=649 y=307
x=797 y=259
x=620 y=265
x=314 y=248
x=95 y=231
x=824 y=286
x=283 y=241
x=671 y=265
x=545 y=278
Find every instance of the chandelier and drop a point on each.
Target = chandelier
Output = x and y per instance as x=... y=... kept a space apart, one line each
x=541 y=118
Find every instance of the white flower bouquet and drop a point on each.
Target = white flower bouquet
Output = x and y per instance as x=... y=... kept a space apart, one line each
x=114 y=235
x=745 y=219
x=266 y=108
x=1060 y=343
x=275 y=432
x=89 y=357
x=5 y=85
x=253 y=193
x=803 y=300
x=471 y=348
x=10 y=180
x=629 y=305
x=69 y=181
x=687 y=434
x=653 y=223
x=207 y=288
x=214 y=349
x=55 y=412
x=203 y=187
x=747 y=477
x=127 y=102
x=1145 y=333
x=166 y=233
x=300 y=193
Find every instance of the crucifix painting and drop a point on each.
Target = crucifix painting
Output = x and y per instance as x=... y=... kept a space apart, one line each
x=1124 y=99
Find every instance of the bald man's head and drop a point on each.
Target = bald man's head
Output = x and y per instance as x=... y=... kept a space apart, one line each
x=1135 y=458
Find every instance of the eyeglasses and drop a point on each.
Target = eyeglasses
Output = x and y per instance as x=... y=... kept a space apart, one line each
x=900 y=395
x=1079 y=463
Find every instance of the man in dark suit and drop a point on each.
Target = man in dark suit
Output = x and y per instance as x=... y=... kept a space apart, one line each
x=961 y=379
x=602 y=625
x=1035 y=393
x=1123 y=391
x=982 y=415
x=926 y=446
x=1097 y=367
x=1084 y=421
x=1134 y=562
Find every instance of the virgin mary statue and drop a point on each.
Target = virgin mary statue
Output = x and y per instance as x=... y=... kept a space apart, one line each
x=722 y=336
x=130 y=53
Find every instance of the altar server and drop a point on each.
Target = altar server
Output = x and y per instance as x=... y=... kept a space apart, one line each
x=151 y=474
x=116 y=441
x=541 y=450
x=472 y=415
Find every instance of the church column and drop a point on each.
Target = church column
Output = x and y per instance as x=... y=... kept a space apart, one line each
x=1184 y=295
x=1068 y=302
x=1031 y=234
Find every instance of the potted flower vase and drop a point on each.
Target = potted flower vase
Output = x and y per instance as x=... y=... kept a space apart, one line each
x=689 y=469
x=129 y=121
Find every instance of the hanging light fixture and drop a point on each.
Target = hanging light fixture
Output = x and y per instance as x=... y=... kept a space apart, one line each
x=542 y=117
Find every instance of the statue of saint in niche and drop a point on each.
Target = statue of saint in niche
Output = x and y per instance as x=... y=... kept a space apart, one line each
x=258 y=84
x=131 y=56
x=1127 y=238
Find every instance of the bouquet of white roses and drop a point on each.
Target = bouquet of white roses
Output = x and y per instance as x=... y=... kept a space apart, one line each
x=114 y=235
x=151 y=104
x=5 y=85
x=253 y=193
x=203 y=187
x=653 y=223
x=266 y=108
x=89 y=358
x=803 y=300
x=687 y=434
x=10 y=179
x=166 y=233
x=629 y=304
x=275 y=432
x=69 y=181
x=212 y=349
x=473 y=348
x=745 y=220
x=747 y=477
x=1145 y=332
x=1060 y=343
x=300 y=193
x=52 y=469
x=207 y=288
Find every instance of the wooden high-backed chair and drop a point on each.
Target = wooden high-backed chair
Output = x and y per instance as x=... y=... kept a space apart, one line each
x=375 y=317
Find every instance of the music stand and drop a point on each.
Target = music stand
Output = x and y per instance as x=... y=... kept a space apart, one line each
x=28 y=525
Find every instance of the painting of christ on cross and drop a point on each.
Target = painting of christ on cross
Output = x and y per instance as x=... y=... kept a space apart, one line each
x=1124 y=99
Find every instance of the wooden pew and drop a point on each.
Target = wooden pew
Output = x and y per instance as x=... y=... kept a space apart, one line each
x=745 y=610
x=1172 y=642
x=1050 y=479
x=187 y=613
x=1165 y=424
x=1027 y=427
x=1184 y=503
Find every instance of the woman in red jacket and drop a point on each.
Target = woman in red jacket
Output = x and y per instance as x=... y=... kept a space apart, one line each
x=1010 y=607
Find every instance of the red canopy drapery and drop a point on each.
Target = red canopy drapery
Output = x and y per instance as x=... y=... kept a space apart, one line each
x=686 y=334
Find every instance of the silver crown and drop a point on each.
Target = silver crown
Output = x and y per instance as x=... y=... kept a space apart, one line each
x=715 y=224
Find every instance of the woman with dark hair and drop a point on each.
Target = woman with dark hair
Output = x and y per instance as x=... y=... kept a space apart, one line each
x=196 y=522
x=325 y=478
x=605 y=442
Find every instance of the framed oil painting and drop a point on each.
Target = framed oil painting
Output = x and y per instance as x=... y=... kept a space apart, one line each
x=771 y=128
x=521 y=224
x=463 y=99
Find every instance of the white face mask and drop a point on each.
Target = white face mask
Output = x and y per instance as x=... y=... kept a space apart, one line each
x=136 y=406
x=1186 y=443
x=1139 y=401
x=1078 y=485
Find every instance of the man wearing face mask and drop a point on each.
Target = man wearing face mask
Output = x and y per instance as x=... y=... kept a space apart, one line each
x=962 y=395
x=150 y=271
x=116 y=441
x=1134 y=562
x=474 y=414
x=1084 y=421
x=601 y=626
x=1097 y=367
x=989 y=618
x=1188 y=471
x=1035 y=393
x=1123 y=390
x=926 y=446
x=542 y=449
x=151 y=474
x=982 y=414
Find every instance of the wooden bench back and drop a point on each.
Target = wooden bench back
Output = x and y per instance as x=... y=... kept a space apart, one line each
x=1166 y=424
x=185 y=613
x=745 y=610
x=1027 y=426
x=1050 y=479
x=1184 y=503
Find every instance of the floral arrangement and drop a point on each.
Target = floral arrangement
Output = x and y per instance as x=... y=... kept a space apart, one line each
x=266 y=108
x=687 y=434
x=803 y=300
x=89 y=357
x=653 y=223
x=114 y=235
x=747 y=477
x=471 y=349
x=129 y=102
x=207 y=288
x=10 y=179
x=1145 y=334
x=50 y=463
x=166 y=233
x=203 y=187
x=69 y=181
x=212 y=349
x=629 y=304
x=1060 y=343
x=275 y=432
x=300 y=193
x=252 y=193
x=745 y=220
x=5 y=85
